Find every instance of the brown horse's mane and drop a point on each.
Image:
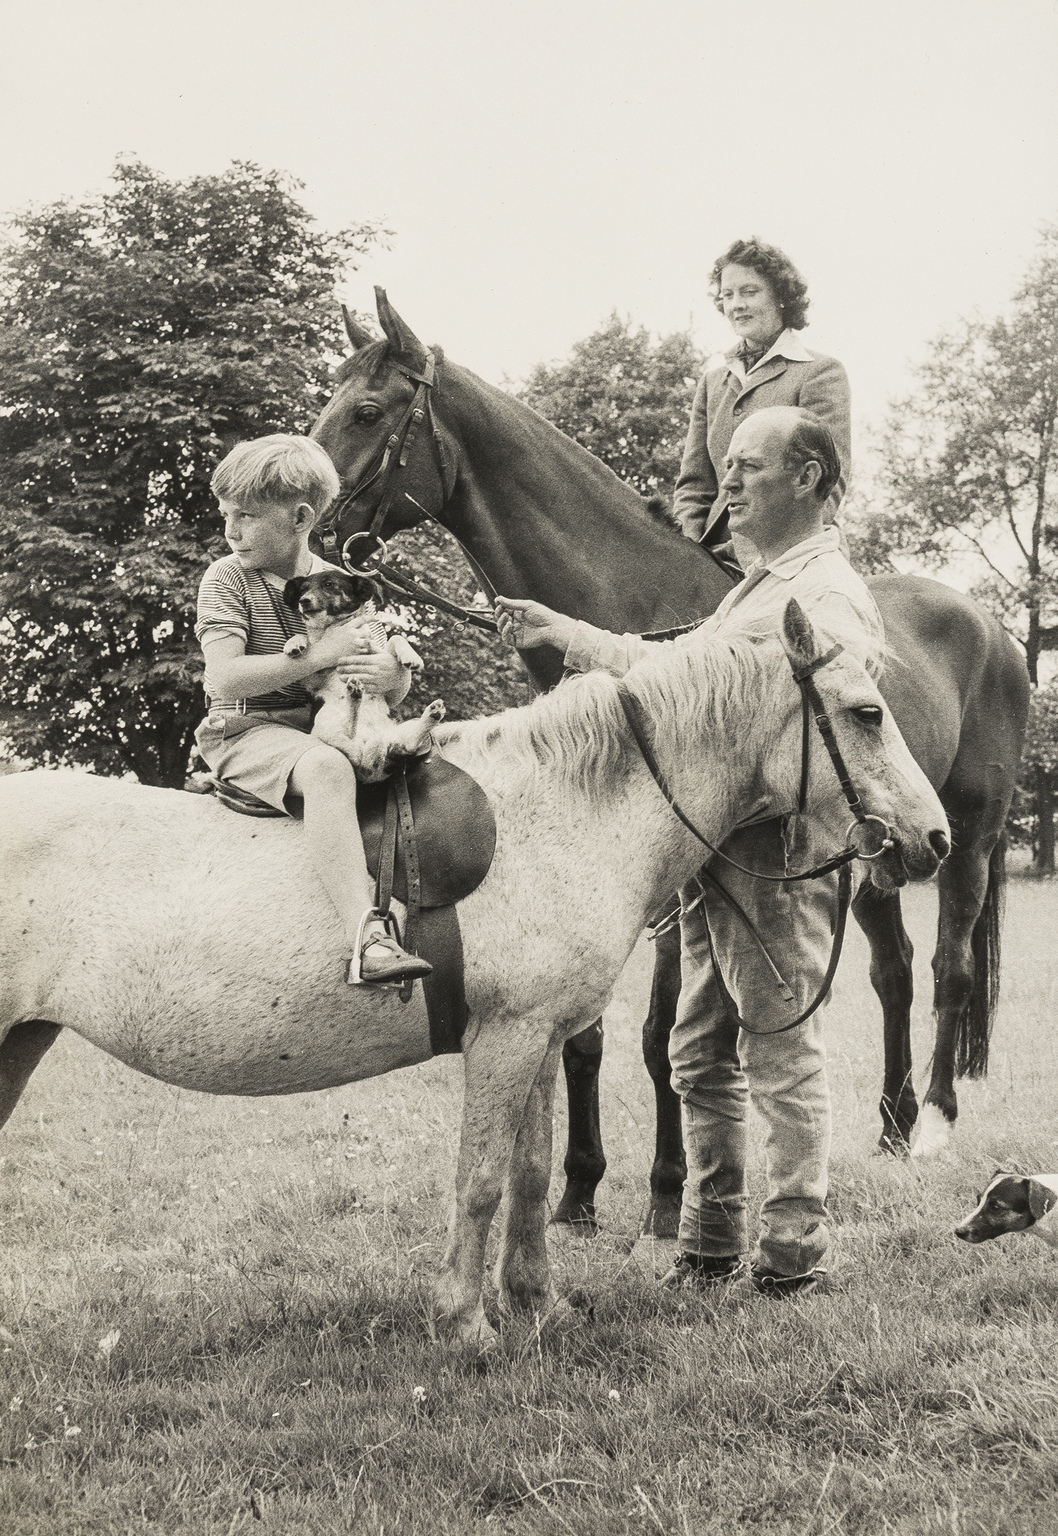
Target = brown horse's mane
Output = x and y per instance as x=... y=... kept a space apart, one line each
x=370 y=360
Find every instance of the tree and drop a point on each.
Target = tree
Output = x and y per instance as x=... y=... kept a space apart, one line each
x=473 y=671
x=968 y=475
x=625 y=398
x=142 y=334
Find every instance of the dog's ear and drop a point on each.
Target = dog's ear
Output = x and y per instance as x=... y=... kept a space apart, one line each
x=293 y=590
x=1040 y=1197
x=362 y=590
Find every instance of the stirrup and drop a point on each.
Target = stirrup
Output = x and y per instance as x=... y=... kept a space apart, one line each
x=354 y=965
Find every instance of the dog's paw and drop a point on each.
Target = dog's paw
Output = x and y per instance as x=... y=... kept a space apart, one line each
x=434 y=711
x=297 y=645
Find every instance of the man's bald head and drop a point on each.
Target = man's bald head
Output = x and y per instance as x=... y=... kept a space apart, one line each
x=804 y=439
x=780 y=468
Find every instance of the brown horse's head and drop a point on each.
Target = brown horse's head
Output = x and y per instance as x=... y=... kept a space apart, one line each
x=380 y=430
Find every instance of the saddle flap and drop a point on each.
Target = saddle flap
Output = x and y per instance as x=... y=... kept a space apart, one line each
x=455 y=830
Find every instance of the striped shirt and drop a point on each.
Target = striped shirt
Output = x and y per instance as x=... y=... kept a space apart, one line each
x=249 y=605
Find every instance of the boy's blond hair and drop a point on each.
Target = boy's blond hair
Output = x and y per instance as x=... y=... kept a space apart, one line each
x=278 y=468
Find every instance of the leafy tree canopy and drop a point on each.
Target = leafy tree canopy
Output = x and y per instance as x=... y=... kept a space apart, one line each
x=968 y=469
x=142 y=333
x=969 y=476
x=625 y=398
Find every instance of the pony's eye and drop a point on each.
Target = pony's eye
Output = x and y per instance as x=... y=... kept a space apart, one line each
x=368 y=412
x=868 y=714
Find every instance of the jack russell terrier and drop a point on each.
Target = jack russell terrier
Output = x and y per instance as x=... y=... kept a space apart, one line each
x=360 y=725
x=1014 y=1202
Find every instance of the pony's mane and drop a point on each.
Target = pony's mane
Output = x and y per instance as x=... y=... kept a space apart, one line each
x=578 y=734
x=724 y=687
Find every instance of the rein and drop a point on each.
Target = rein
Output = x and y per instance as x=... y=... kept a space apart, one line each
x=811 y=707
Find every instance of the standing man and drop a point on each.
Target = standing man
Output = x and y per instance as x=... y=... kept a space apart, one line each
x=780 y=469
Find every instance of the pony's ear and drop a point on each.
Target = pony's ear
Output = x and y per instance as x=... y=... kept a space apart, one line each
x=356 y=332
x=401 y=337
x=797 y=628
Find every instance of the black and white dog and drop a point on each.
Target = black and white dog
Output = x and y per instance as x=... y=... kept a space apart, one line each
x=1014 y=1202
x=359 y=725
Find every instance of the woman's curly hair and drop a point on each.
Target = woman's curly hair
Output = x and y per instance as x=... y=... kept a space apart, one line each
x=777 y=270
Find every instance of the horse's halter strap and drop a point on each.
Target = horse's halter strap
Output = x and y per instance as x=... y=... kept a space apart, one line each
x=811 y=705
x=392 y=457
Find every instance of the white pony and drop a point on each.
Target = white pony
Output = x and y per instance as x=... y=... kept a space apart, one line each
x=198 y=947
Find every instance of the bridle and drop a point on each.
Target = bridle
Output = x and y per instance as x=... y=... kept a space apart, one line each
x=391 y=458
x=812 y=708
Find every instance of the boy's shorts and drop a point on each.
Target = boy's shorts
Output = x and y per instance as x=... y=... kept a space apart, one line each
x=256 y=752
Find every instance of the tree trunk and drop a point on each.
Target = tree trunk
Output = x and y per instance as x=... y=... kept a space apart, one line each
x=1044 y=823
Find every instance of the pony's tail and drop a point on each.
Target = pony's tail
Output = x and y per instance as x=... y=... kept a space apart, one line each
x=975 y=1027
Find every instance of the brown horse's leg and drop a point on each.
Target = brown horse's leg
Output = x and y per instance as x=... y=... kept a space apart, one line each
x=20 y=1051
x=585 y=1161
x=879 y=915
x=670 y=1165
x=965 y=972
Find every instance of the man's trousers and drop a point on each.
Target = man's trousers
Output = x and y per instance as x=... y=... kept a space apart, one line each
x=715 y=1064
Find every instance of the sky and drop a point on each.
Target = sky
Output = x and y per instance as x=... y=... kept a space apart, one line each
x=543 y=162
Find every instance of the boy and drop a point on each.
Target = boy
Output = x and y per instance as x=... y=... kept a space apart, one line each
x=256 y=735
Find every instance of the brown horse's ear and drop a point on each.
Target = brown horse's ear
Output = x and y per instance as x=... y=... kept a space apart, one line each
x=356 y=332
x=797 y=628
x=401 y=337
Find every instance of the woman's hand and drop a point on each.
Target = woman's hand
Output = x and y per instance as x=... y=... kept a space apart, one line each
x=525 y=624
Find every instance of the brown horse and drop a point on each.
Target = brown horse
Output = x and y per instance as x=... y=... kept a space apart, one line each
x=539 y=517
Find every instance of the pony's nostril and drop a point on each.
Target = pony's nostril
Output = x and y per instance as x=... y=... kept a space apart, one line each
x=938 y=841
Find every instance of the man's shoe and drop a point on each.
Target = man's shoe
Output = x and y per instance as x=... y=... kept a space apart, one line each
x=390 y=968
x=700 y=1269
x=769 y=1282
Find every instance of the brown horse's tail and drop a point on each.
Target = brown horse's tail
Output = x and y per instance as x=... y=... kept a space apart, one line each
x=975 y=1027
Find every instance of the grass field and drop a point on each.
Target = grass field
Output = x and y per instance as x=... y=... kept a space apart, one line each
x=214 y=1315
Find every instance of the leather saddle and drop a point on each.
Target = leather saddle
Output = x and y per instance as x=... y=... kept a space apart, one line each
x=454 y=827
x=433 y=817
x=455 y=830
